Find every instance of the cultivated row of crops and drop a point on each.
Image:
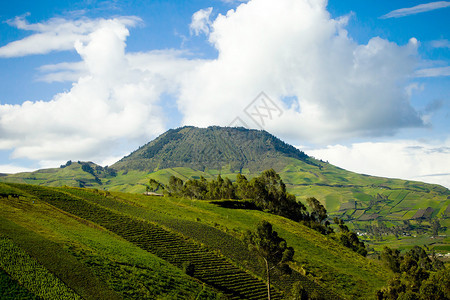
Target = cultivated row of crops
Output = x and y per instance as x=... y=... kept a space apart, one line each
x=232 y=248
x=10 y=289
x=202 y=263
x=31 y=274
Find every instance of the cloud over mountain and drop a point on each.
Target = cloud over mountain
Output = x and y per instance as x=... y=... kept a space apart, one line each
x=294 y=50
x=414 y=160
x=113 y=100
x=328 y=86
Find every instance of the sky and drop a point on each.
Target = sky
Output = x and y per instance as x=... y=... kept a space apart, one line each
x=364 y=85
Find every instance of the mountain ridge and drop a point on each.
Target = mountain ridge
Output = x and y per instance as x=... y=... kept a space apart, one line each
x=212 y=148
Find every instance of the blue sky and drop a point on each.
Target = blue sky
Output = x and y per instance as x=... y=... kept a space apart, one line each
x=362 y=84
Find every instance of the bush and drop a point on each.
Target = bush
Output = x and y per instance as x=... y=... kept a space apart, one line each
x=188 y=268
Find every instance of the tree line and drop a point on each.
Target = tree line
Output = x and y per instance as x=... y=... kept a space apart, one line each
x=266 y=192
x=417 y=276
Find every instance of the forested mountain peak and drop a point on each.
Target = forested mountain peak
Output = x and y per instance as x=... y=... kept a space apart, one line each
x=213 y=147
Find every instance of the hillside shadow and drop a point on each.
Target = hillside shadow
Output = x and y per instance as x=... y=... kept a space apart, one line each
x=235 y=204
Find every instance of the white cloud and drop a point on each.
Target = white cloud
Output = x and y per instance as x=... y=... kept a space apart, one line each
x=405 y=159
x=440 y=43
x=115 y=102
x=234 y=1
x=12 y=169
x=329 y=87
x=293 y=49
x=403 y=12
x=55 y=35
x=201 y=22
x=63 y=72
x=433 y=72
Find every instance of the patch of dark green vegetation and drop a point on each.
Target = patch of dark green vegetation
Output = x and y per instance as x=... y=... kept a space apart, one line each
x=58 y=261
x=266 y=192
x=33 y=275
x=417 y=276
x=136 y=281
x=212 y=148
x=10 y=289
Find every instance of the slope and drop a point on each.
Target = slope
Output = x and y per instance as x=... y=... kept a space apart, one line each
x=94 y=262
x=190 y=152
x=211 y=148
x=109 y=233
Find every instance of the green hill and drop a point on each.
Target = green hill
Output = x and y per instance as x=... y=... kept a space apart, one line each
x=136 y=246
x=363 y=201
x=236 y=149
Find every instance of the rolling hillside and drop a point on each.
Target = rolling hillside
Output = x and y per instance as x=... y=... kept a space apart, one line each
x=190 y=152
x=136 y=246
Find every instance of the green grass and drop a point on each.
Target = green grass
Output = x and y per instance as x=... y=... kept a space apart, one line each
x=109 y=266
x=110 y=246
x=31 y=274
x=325 y=260
x=11 y=289
x=210 y=268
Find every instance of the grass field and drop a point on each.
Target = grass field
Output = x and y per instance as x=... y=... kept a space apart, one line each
x=320 y=256
x=121 y=241
x=94 y=262
x=390 y=201
x=395 y=199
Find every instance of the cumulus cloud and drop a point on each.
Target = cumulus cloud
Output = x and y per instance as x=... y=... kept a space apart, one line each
x=201 y=22
x=294 y=50
x=413 y=160
x=115 y=101
x=403 y=12
x=327 y=86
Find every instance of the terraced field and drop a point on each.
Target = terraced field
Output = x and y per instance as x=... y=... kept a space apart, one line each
x=207 y=223
x=209 y=267
x=107 y=232
x=29 y=273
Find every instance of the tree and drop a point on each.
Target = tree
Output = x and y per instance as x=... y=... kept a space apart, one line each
x=348 y=238
x=271 y=248
x=268 y=192
x=175 y=185
x=154 y=185
x=242 y=187
x=435 y=227
x=391 y=258
x=87 y=168
x=228 y=190
x=318 y=211
x=194 y=188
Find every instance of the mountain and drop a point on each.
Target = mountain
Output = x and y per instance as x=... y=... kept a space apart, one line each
x=51 y=228
x=212 y=148
x=79 y=174
x=191 y=152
